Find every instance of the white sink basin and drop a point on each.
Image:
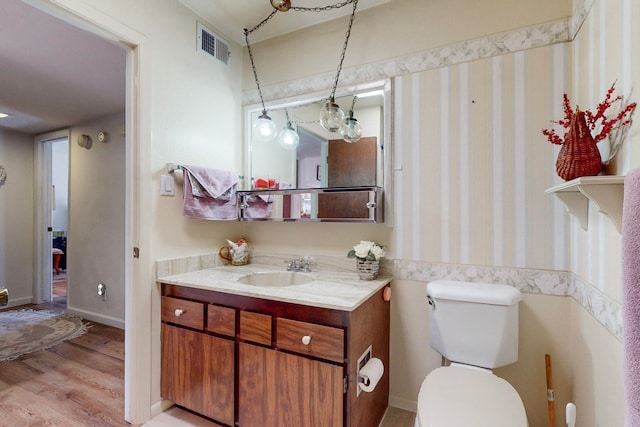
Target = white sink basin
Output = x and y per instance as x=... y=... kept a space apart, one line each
x=276 y=279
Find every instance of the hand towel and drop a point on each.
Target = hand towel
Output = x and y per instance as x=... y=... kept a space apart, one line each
x=631 y=296
x=209 y=193
x=258 y=207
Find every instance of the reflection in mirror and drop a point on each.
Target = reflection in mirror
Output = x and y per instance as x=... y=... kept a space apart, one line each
x=320 y=159
x=362 y=204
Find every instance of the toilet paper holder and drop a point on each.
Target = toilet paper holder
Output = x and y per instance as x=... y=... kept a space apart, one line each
x=364 y=380
x=362 y=360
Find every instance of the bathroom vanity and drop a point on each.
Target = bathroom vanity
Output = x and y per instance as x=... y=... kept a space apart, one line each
x=278 y=356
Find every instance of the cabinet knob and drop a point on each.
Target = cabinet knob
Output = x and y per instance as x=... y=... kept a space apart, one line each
x=306 y=340
x=178 y=312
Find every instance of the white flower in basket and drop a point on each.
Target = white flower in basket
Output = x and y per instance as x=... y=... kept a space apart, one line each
x=367 y=256
x=367 y=251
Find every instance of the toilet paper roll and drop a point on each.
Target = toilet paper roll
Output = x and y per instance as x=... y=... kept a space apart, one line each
x=371 y=373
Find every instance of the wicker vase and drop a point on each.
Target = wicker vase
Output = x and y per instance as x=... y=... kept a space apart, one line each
x=367 y=270
x=579 y=155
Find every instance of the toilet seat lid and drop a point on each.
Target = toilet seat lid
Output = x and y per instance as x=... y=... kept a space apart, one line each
x=467 y=396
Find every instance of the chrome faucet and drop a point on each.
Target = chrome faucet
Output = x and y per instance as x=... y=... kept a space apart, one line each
x=302 y=264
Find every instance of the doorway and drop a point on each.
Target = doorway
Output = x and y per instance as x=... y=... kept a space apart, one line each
x=48 y=192
x=137 y=400
x=59 y=218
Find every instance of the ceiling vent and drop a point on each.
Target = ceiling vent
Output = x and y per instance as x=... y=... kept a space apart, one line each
x=211 y=45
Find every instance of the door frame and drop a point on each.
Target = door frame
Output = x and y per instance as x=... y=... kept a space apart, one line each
x=44 y=205
x=138 y=378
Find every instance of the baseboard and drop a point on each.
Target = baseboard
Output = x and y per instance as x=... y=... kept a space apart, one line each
x=14 y=302
x=98 y=318
x=407 y=405
x=159 y=407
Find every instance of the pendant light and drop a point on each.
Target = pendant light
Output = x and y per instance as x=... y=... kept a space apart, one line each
x=331 y=115
x=288 y=137
x=351 y=130
x=264 y=129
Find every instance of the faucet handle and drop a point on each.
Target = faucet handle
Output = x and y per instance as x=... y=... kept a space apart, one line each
x=307 y=262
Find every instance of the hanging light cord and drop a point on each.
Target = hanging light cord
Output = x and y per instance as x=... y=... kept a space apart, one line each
x=344 y=49
x=253 y=64
x=303 y=9
x=353 y=103
x=323 y=8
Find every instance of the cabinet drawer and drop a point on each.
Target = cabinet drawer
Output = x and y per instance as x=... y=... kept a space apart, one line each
x=319 y=341
x=221 y=320
x=182 y=312
x=255 y=327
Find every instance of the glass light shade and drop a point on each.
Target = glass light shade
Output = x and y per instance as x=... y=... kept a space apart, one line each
x=264 y=129
x=351 y=130
x=331 y=116
x=288 y=138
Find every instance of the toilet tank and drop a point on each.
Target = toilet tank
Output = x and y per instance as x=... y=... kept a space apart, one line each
x=474 y=323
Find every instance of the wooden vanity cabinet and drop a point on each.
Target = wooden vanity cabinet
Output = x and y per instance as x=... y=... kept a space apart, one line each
x=295 y=365
x=278 y=389
x=198 y=370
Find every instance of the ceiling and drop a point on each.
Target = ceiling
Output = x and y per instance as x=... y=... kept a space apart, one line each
x=232 y=17
x=54 y=75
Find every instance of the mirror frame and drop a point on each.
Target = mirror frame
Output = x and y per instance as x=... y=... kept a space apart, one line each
x=375 y=205
x=387 y=145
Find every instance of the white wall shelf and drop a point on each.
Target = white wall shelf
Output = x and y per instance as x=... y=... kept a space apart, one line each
x=605 y=192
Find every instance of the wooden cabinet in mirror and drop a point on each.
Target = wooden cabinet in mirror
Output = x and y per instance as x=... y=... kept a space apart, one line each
x=339 y=204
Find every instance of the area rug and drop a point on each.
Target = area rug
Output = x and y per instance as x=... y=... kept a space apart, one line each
x=26 y=331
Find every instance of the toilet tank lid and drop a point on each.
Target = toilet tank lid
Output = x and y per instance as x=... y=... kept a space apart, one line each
x=482 y=293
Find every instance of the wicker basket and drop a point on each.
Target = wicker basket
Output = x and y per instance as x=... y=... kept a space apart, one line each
x=227 y=254
x=579 y=155
x=367 y=270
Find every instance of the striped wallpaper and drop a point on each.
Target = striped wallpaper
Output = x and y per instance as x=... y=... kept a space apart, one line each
x=600 y=57
x=471 y=164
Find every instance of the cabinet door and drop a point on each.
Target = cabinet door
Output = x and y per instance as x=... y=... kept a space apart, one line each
x=277 y=389
x=198 y=372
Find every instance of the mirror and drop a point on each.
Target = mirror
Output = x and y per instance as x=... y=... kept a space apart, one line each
x=359 y=204
x=322 y=159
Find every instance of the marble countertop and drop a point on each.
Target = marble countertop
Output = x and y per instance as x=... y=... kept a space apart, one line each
x=330 y=289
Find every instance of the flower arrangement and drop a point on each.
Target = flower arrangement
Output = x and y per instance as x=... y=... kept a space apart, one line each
x=367 y=251
x=613 y=127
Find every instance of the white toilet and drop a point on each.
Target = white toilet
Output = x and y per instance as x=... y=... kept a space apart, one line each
x=475 y=326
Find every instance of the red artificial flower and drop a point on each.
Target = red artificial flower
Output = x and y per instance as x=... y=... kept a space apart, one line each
x=594 y=120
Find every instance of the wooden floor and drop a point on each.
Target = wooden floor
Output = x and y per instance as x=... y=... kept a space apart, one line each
x=75 y=383
x=80 y=383
x=177 y=417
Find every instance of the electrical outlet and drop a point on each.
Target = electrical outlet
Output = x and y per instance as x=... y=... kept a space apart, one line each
x=102 y=290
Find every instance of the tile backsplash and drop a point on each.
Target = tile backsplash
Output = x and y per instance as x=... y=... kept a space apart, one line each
x=546 y=282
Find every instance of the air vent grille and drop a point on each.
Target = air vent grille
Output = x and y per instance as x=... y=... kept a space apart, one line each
x=213 y=46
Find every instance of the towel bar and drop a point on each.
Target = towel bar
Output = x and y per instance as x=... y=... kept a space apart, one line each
x=172 y=167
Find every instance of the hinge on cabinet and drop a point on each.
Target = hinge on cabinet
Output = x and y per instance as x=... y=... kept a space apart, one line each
x=345 y=382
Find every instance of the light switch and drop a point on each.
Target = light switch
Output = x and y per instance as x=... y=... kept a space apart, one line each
x=167 y=187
